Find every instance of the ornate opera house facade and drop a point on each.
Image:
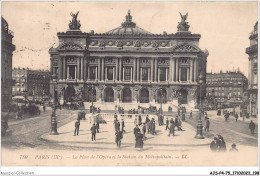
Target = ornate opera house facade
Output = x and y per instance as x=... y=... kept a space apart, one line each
x=129 y=66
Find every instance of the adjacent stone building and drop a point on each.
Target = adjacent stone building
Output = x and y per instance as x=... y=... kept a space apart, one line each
x=226 y=88
x=7 y=49
x=31 y=84
x=252 y=52
x=129 y=65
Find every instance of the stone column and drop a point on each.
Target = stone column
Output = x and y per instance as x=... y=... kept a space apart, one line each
x=78 y=66
x=195 y=70
x=116 y=71
x=131 y=75
x=96 y=73
x=85 y=69
x=60 y=68
x=103 y=68
x=191 y=69
x=123 y=74
x=155 y=69
x=152 y=69
x=134 y=69
x=82 y=69
x=173 y=70
x=64 y=68
x=177 y=70
x=114 y=74
x=141 y=77
x=120 y=69
x=149 y=72
x=179 y=74
x=158 y=76
x=170 y=69
x=99 y=69
x=166 y=74
x=106 y=73
x=138 y=68
x=188 y=75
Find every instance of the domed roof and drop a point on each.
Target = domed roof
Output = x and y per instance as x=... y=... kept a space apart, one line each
x=128 y=28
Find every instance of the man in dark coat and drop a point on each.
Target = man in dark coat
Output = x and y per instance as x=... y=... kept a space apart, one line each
x=207 y=125
x=171 y=129
x=77 y=124
x=214 y=145
x=139 y=140
x=93 y=132
x=252 y=127
x=221 y=144
x=236 y=116
x=183 y=116
x=97 y=126
x=190 y=115
x=123 y=125
x=136 y=130
x=84 y=115
x=119 y=136
x=167 y=124
x=139 y=120
x=144 y=130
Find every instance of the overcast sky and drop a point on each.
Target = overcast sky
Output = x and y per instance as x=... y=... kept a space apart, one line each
x=224 y=26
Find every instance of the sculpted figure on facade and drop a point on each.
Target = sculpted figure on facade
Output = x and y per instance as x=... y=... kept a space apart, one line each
x=183 y=25
x=74 y=23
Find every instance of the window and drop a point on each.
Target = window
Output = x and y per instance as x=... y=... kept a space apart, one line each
x=127 y=73
x=72 y=71
x=183 y=74
x=223 y=94
x=92 y=72
x=162 y=74
x=144 y=74
x=238 y=93
x=110 y=73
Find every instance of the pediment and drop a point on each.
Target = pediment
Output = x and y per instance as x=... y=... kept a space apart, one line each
x=70 y=46
x=185 y=47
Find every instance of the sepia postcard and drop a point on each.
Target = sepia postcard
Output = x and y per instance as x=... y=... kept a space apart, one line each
x=129 y=83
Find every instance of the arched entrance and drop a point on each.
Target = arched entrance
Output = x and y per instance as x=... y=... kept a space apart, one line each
x=162 y=95
x=144 y=95
x=89 y=94
x=69 y=93
x=127 y=95
x=109 y=94
x=183 y=96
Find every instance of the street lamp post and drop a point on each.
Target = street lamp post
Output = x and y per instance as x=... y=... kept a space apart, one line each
x=161 y=101
x=53 y=114
x=92 y=96
x=199 y=134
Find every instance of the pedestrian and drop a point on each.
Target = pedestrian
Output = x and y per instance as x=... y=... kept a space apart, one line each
x=97 y=126
x=236 y=116
x=93 y=132
x=139 y=119
x=147 y=119
x=136 y=130
x=252 y=127
x=153 y=127
x=205 y=115
x=171 y=129
x=119 y=137
x=123 y=126
x=183 y=116
x=178 y=111
x=144 y=130
x=214 y=145
x=77 y=124
x=207 y=125
x=167 y=124
x=115 y=124
x=135 y=122
x=179 y=125
x=221 y=144
x=115 y=116
x=84 y=115
x=43 y=107
x=118 y=126
x=233 y=148
x=139 y=140
x=79 y=116
x=190 y=115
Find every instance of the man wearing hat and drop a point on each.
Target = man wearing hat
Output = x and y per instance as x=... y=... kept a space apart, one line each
x=214 y=145
x=167 y=123
x=93 y=132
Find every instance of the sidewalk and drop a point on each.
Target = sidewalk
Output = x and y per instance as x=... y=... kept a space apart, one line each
x=184 y=140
